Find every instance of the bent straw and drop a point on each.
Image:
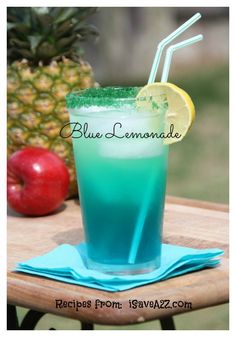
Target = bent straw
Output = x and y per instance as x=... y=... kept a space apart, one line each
x=171 y=50
x=143 y=211
x=167 y=40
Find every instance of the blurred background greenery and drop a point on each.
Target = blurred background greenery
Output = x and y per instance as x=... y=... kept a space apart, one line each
x=198 y=166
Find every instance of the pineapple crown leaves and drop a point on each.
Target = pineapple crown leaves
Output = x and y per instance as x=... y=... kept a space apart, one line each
x=42 y=34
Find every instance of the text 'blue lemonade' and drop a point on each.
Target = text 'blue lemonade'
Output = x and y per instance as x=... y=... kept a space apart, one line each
x=121 y=167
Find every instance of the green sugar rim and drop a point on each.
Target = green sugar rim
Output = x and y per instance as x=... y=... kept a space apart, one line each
x=105 y=97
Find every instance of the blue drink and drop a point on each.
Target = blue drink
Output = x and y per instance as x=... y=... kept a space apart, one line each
x=121 y=176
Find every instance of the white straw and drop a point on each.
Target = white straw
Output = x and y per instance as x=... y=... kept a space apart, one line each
x=166 y=41
x=141 y=219
x=170 y=51
x=139 y=225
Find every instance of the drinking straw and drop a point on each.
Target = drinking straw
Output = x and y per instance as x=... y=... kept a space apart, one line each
x=141 y=220
x=170 y=51
x=144 y=208
x=167 y=40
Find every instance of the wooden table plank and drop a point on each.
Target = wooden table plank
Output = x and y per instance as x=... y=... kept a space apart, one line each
x=197 y=203
x=191 y=224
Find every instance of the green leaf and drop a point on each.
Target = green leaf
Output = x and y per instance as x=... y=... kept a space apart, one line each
x=18 y=27
x=18 y=14
x=84 y=12
x=44 y=19
x=40 y=11
x=55 y=12
x=11 y=25
x=86 y=29
x=34 y=42
x=65 y=28
x=19 y=43
x=67 y=41
x=46 y=51
x=22 y=53
x=65 y=15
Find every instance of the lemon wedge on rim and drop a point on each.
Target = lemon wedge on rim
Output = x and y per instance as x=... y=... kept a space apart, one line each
x=180 y=111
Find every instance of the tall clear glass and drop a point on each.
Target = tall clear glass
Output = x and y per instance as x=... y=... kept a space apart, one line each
x=121 y=166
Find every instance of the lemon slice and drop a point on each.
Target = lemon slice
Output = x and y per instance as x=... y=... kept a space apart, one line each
x=180 y=112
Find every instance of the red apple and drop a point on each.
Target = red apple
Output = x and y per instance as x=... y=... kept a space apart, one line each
x=37 y=181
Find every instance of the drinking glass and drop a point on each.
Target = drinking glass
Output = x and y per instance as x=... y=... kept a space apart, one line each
x=121 y=174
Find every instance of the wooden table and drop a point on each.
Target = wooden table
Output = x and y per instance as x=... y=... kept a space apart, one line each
x=187 y=222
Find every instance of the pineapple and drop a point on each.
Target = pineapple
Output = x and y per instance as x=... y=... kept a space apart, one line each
x=44 y=64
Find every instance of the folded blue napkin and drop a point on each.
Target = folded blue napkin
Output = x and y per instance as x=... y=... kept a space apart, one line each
x=66 y=263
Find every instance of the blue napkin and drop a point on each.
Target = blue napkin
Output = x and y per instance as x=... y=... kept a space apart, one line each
x=66 y=263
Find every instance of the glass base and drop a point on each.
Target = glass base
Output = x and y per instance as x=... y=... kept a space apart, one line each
x=124 y=269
